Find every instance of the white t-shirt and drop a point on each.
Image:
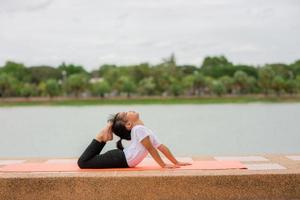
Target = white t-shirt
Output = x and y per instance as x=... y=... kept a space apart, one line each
x=136 y=151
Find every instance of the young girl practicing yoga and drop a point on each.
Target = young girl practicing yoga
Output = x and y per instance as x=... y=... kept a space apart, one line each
x=128 y=126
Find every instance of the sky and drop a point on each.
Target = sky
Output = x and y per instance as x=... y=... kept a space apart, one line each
x=95 y=32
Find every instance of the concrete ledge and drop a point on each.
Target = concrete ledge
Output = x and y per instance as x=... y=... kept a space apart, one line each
x=179 y=184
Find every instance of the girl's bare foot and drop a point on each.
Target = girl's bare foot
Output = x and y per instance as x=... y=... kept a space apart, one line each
x=105 y=134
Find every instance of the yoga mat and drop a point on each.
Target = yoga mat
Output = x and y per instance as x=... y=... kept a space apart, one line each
x=147 y=165
x=146 y=160
x=6 y=162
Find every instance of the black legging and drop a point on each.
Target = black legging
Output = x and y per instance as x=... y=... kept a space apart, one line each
x=91 y=158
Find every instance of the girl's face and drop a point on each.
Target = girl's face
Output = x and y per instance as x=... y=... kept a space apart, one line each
x=129 y=117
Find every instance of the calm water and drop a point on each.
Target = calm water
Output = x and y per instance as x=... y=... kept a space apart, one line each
x=221 y=129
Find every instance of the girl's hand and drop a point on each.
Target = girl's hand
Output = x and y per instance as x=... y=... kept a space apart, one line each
x=182 y=163
x=170 y=166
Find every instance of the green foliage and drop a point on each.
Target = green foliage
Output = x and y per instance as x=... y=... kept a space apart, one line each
x=104 y=69
x=220 y=61
x=41 y=87
x=297 y=80
x=249 y=70
x=8 y=85
x=71 y=69
x=125 y=84
x=110 y=73
x=28 y=90
x=251 y=84
x=187 y=69
x=100 y=88
x=76 y=84
x=147 y=86
x=265 y=78
x=42 y=73
x=228 y=83
x=240 y=81
x=208 y=81
x=161 y=78
x=52 y=87
x=188 y=84
x=200 y=82
x=139 y=72
x=217 y=67
x=281 y=70
x=278 y=84
x=218 y=88
x=292 y=86
x=17 y=70
x=216 y=75
x=176 y=88
x=295 y=67
x=243 y=82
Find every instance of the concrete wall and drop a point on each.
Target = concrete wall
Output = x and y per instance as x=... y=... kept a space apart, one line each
x=244 y=187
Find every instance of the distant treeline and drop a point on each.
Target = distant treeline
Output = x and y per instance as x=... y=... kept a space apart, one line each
x=215 y=76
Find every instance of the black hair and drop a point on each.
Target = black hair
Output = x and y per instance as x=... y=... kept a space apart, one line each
x=119 y=129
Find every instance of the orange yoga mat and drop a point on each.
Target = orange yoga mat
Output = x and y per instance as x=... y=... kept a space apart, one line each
x=146 y=165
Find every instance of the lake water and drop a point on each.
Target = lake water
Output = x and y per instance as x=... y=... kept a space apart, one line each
x=210 y=129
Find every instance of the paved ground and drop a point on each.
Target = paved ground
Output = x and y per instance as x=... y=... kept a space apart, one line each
x=269 y=176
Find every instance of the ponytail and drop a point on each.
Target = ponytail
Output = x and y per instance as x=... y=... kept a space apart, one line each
x=119 y=129
x=119 y=144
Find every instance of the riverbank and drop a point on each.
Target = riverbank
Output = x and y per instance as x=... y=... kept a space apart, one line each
x=82 y=101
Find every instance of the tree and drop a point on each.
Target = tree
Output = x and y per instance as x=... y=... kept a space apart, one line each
x=17 y=70
x=76 y=84
x=298 y=82
x=208 y=84
x=161 y=78
x=104 y=69
x=126 y=85
x=176 y=88
x=240 y=81
x=188 y=83
x=295 y=67
x=291 y=86
x=52 y=88
x=169 y=66
x=252 y=84
x=265 y=78
x=187 y=69
x=100 y=88
x=171 y=61
x=282 y=70
x=110 y=73
x=200 y=82
x=43 y=73
x=218 y=88
x=217 y=66
x=139 y=72
x=8 y=85
x=147 y=86
x=228 y=83
x=278 y=84
x=41 y=88
x=28 y=90
x=72 y=69
x=249 y=70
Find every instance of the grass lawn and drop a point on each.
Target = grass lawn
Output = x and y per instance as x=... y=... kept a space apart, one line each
x=36 y=101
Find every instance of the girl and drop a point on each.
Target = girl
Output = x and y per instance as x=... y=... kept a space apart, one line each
x=126 y=125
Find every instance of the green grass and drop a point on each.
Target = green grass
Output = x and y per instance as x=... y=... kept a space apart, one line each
x=148 y=101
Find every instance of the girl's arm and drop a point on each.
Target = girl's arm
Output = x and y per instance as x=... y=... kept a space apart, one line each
x=165 y=150
x=154 y=153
